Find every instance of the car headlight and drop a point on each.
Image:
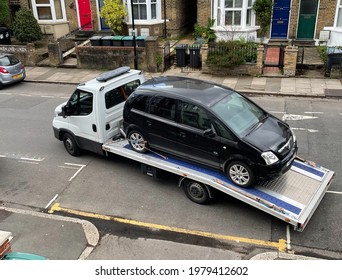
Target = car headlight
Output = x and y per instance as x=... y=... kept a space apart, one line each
x=293 y=135
x=269 y=157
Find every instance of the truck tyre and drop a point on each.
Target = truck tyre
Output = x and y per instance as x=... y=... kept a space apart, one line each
x=137 y=141
x=240 y=174
x=196 y=191
x=70 y=145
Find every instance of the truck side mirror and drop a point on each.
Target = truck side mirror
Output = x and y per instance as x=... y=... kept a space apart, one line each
x=65 y=111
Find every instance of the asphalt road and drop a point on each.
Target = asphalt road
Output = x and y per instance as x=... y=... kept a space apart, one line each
x=37 y=172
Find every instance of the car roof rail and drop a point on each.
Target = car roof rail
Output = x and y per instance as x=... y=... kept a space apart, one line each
x=104 y=77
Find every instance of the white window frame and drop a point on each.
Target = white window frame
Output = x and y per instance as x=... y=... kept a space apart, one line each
x=50 y=5
x=338 y=13
x=149 y=19
x=220 y=22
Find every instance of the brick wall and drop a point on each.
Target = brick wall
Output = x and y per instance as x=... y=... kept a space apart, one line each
x=203 y=11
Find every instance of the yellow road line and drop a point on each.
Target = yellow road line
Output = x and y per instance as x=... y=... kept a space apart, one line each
x=280 y=245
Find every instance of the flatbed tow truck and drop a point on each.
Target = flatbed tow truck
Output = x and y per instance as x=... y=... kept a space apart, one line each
x=293 y=197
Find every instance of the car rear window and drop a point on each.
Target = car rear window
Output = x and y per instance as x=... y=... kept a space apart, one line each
x=8 y=60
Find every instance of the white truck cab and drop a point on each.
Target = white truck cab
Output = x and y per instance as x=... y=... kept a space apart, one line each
x=93 y=114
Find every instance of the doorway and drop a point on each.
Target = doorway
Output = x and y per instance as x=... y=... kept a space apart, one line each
x=280 y=19
x=307 y=19
x=84 y=14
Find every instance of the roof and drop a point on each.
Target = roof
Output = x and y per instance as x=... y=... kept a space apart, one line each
x=202 y=92
x=110 y=77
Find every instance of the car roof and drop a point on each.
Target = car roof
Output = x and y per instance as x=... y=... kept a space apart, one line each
x=202 y=92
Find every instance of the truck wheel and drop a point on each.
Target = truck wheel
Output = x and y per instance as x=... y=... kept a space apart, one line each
x=196 y=191
x=70 y=145
x=240 y=173
x=137 y=141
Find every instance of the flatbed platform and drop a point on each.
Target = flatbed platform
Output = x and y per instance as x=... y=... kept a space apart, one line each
x=292 y=197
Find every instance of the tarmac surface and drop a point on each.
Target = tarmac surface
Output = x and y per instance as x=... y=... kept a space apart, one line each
x=63 y=238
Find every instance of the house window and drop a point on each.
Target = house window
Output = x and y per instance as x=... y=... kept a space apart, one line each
x=339 y=15
x=233 y=9
x=234 y=13
x=144 y=10
x=52 y=10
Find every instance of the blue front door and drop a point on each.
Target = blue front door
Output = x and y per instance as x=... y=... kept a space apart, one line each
x=280 y=19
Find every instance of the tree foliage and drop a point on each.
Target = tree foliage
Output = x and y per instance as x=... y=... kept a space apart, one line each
x=5 y=14
x=263 y=13
x=25 y=27
x=205 y=32
x=113 y=12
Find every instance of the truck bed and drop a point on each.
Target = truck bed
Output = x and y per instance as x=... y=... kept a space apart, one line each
x=292 y=197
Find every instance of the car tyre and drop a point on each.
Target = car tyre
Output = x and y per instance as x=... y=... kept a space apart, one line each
x=137 y=141
x=71 y=145
x=196 y=191
x=240 y=174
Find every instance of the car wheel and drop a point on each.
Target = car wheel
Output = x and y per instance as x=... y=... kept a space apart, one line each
x=137 y=141
x=196 y=191
x=241 y=174
x=1 y=86
x=70 y=145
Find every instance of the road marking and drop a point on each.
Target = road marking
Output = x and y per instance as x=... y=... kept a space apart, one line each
x=292 y=117
x=5 y=93
x=30 y=162
x=334 y=192
x=22 y=94
x=24 y=159
x=305 y=129
x=280 y=245
x=51 y=201
x=47 y=96
x=277 y=112
x=79 y=168
x=313 y=112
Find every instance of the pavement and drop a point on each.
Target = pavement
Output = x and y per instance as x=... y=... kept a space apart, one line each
x=278 y=86
x=64 y=238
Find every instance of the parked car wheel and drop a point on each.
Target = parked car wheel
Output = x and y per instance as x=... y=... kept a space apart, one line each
x=240 y=174
x=137 y=141
x=71 y=145
x=196 y=191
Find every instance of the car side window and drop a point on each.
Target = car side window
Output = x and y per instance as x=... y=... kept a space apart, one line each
x=194 y=116
x=222 y=131
x=141 y=103
x=80 y=103
x=120 y=94
x=163 y=107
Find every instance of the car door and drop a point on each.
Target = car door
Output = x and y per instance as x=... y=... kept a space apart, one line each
x=161 y=125
x=196 y=137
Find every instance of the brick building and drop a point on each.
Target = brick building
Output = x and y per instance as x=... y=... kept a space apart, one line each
x=315 y=20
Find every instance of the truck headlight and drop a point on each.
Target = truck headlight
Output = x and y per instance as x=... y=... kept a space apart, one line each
x=269 y=157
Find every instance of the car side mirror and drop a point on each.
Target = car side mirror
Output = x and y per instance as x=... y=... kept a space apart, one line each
x=209 y=132
x=65 y=111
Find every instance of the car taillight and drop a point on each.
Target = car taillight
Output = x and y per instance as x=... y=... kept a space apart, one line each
x=3 y=70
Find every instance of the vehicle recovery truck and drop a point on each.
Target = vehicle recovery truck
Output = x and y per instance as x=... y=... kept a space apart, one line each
x=292 y=197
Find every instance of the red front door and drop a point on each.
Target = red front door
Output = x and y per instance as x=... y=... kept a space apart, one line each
x=84 y=13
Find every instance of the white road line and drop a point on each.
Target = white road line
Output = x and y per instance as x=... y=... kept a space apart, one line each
x=22 y=94
x=5 y=93
x=313 y=112
x=47 y=96
x=67 y=167
x=3 y=156
x=30 y=162
x=305 y=129
x=288 y=238
x=81 y=166
x=292 y=117
x=276 y=112
x=32 y=159
x=51 y=201
x=334 y=192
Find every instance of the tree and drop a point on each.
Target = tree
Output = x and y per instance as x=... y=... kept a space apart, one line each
x=263 y=13
x=25 y=27
x=113 y=12
x=5 y=14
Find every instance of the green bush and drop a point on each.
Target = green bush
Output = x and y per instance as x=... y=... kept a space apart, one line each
x=231 y=53
x=113 y=12
x=263 y=12
x=25 y=27
x=205 y=32
x=5 y=14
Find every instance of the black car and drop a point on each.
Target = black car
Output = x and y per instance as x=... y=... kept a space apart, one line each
x=210 y=125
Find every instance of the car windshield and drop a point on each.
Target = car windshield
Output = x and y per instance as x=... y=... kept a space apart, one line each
x=238 y=113
x=8 y=60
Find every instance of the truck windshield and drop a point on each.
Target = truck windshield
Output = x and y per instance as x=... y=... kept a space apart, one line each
x=80 y=103
x=238 y=113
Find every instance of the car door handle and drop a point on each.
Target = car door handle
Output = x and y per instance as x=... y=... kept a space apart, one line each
x=182 y=134
x=148 y=123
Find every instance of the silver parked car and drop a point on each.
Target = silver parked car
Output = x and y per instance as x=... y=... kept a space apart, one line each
x=11 y=69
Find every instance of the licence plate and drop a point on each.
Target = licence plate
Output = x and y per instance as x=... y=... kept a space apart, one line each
x=17 y=76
